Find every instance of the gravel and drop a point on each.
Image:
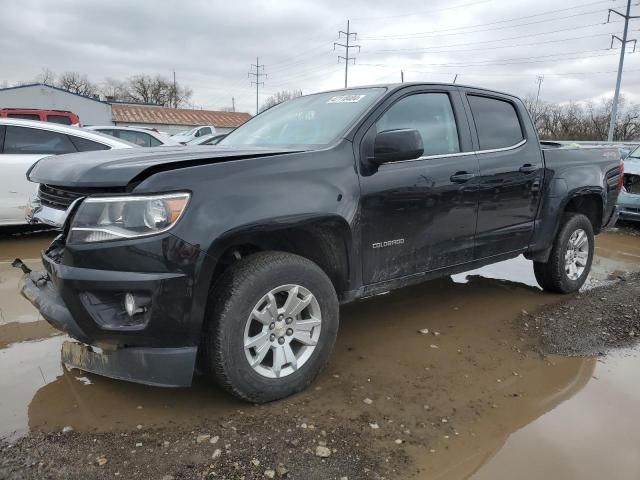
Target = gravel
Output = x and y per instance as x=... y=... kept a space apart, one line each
x=590 y=323
x=253 y=447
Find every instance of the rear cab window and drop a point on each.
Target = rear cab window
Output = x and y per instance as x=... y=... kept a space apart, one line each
x=24 y=116
x=497 y=122
x=61 y=119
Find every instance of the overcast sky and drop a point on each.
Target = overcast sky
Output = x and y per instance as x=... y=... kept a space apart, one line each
x=501 y=44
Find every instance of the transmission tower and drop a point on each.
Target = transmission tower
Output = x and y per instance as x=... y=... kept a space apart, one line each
x=624 y=41
x=347 y=46
x=257 y=74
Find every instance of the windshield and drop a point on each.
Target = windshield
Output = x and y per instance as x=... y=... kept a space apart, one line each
x=310 y=120
x=186 y=133
x=635 y=153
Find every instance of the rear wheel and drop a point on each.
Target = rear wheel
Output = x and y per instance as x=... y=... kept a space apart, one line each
x=272 y=324
x=571 y=256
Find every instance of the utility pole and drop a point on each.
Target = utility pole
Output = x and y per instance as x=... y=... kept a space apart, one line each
x=623 y=41
x=455 y=78
x=535 y=113
x=257 y=74
x=233 y=104
x=401 y=76
x=175 y=91
x=348 y=34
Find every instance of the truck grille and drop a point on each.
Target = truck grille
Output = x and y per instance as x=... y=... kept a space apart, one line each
x=57 y=197
x=632 y=183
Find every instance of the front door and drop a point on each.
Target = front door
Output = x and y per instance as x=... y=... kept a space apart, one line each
x=420 y=215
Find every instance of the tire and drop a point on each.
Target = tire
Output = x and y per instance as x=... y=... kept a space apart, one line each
x=230 y=319
x=552 y=275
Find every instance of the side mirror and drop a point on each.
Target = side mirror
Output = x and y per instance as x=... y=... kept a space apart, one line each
x=397 y=145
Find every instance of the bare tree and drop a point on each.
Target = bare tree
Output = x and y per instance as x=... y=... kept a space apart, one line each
x=139 y=88
x=114 y=89
x=280 y=97
x=585 y=121
x=46 y=77
x=74 y=82
x=157 y=90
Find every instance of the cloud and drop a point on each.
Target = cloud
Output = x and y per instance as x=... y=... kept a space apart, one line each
x=500 y=44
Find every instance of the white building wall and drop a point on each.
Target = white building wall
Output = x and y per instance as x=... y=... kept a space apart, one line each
x=91 y=112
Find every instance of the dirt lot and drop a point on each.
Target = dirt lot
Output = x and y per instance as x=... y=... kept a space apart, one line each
x=480 y=394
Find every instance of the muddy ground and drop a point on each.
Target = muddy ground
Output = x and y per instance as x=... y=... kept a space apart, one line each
x=479 y=395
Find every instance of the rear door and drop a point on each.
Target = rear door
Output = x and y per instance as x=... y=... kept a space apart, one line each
x=21 y=148
x=511 y=170
x=420 y=215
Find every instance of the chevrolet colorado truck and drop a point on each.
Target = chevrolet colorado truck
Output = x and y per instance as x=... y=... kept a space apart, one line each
x=233 y=259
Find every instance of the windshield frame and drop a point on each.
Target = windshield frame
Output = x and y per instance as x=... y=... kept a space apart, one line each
x=342 y=133
x=631 y=153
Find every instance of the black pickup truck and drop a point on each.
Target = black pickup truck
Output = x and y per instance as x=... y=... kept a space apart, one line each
x=235 y=258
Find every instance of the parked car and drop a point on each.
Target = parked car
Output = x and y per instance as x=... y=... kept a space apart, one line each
x=207 y=139
x=22 y=143
x=240 y=256
x=629 y=199
x=196 y=132
x=138 y=136
x=63 y=117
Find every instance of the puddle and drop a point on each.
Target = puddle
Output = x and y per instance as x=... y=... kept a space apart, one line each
x=503 y=408
x=594 y=436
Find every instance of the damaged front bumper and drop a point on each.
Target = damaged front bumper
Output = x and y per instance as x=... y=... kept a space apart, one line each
x=150 y=365
x=161 y=367
x=629 y=206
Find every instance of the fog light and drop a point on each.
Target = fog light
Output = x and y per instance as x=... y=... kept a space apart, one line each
x=130 y=304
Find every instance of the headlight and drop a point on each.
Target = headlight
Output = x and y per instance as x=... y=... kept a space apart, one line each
x=111 y=218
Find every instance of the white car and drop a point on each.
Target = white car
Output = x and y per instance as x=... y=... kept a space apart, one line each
x=143 y=137
x=207 y=140
x=188 y=135
x=22 y=143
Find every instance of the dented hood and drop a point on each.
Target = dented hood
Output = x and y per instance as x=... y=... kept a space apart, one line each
x=118 y=168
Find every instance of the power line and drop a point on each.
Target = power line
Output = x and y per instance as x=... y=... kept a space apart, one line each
x=432 y=10
x=548 y=12
x=518 y=74
x=348 y=34
x=516 y=37
x=427 y=50
x=442 y=33
x=623 y=41
x=257 y=74
x=511 y=61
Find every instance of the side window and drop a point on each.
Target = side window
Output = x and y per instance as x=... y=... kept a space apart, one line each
x=154 y=141
x=61 y=119
x=35 y=141
x=497 y=122
x=140 y=139
x=205 y=131
x=84 y=145
x=429 y=113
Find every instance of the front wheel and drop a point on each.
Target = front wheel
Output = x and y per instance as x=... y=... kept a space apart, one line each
x=571 y=256
x=272 y=324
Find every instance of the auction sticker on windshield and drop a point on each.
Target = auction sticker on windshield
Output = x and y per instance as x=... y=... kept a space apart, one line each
x=346 y=99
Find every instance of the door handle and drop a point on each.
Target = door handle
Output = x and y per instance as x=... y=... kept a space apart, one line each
x=528 y=168
x=461 y=177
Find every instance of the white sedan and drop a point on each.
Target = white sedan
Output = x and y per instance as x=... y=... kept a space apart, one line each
x=22 y=143
x=143 y=137
x=196 y=132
